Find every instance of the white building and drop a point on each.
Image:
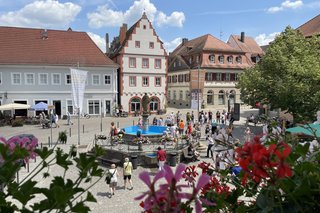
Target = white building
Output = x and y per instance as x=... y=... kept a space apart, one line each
x=143 y=66
x=35 y=66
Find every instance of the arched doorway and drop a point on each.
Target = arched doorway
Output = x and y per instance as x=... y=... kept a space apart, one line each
x=135 y=104
x=210 y=97
x=154 y=104
x=221 y=97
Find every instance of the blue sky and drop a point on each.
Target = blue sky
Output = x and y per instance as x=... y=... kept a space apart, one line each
x=172 y=20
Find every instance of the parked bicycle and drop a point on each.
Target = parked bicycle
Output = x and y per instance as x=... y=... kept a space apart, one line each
x=83 y=115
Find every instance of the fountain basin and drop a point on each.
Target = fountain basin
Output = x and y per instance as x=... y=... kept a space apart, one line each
x=154 y=133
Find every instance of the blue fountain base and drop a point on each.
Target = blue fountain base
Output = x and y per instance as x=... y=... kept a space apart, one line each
x=154 y=133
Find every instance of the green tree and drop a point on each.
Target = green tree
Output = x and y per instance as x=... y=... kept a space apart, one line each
x=288 y=76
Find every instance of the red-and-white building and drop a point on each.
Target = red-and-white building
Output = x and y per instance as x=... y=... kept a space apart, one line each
x=143 y=66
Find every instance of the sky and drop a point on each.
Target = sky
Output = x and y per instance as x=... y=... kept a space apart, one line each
x=171 y=19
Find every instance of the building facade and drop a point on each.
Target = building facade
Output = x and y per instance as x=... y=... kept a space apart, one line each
x=35 y=66
x=143 y=66
x=204 y=71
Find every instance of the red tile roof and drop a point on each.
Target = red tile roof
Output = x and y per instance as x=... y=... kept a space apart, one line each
x=249 y=45
x=26 y=46
x=311 y=27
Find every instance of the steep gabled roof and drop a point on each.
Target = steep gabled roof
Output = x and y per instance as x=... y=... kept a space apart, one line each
x=311 y=27
x=27 y=46
x=249 y=45
x=203 y=43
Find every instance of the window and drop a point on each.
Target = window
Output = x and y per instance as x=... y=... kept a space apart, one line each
x=16 y=78
x=169 y=95
x=157 y=63
x=145 y=81
x=158 y=81
x=239 y=59
x=197 y=59
x=69 y=106
x=230 y=59
x=135 y=105
x=68 y=79
x=187 y=94
x=94 y=107
x=145 y=63
x=179 y=63
x=208 y=76
x=174 y=79
x=56 y=78
x=43 y=78
x=210 y=97
x=132 y=81
x=29 y=78
x=221 y=97
x=95 y=79
x=132 y=62
x=154 y=104
x=190 y=60
x=151 y=45
x=144 y=27
x=137 y=44
x=212 y=59
x=180 y=78
x=181 y=95
x=227 y=78
x=236 y=77
x=107 y=79
x=169 y=79
x=218 y=76
x=174 y=95
x=186 y=77
x=221 y=59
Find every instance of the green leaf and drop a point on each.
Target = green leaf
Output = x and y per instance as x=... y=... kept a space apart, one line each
x=90 y=197
x=80 y=207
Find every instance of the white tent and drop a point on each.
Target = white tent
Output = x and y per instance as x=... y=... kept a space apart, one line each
x=13 y=106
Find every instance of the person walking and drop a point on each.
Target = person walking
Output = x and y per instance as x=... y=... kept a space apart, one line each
x=210 y=145
x=56 y=119
x=127 y=173
x=247 y=134
x=181 y=127
x=114 y=179
x=161 y=156
x=69 y=118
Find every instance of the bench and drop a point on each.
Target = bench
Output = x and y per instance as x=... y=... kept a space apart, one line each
x=187 y=157
x=106 y=161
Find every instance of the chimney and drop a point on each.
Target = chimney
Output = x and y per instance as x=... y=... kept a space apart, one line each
x=107 y=43
x=184 y=40
x=123 y=32
x=242 y=37
x=44 y=34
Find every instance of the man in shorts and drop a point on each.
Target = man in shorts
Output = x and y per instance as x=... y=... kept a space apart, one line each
x=127 y=172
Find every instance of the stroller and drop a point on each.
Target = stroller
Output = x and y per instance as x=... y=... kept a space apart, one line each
x=47 y=124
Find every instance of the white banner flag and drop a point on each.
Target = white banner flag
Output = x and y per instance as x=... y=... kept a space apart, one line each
x=78 y=81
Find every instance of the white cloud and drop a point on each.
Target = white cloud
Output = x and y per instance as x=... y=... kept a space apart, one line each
x=49 y=13
x=175 y=19
x=286 y=5
x=100 y=41
x=264 y=39
x=171 y=45
x=105 y=16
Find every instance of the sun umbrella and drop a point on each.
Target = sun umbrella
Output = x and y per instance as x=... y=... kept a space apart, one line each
x=309 y=129
x=40 y=106
x=13 y=106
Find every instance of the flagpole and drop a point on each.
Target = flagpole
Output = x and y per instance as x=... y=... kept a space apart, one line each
x=78 y=118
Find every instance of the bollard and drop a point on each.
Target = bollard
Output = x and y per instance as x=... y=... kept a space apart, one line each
x=17 y=176
x=28 y=167
x=41 y=145
x=133 y=123
x=83 y=128
x=118 y=124
x=49 y=141
x=100 y=127
x=70 y=132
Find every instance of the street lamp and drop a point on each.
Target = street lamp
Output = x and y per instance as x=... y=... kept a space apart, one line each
x=228 y=98
x=198 y=93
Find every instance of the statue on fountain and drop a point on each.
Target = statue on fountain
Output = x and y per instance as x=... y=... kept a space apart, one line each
x=145 y=114
x=145 y=104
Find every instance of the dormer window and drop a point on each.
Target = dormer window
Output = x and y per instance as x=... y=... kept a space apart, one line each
x=174 y=64
x=239 y=59
x=212 y=59
x=179 y=63
x=197 y=59
x=221 y=59
x=190 y=60
x=230 y=59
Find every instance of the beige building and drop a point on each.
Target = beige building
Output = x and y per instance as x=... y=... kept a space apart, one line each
x=208 y=68
x=143 y=66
